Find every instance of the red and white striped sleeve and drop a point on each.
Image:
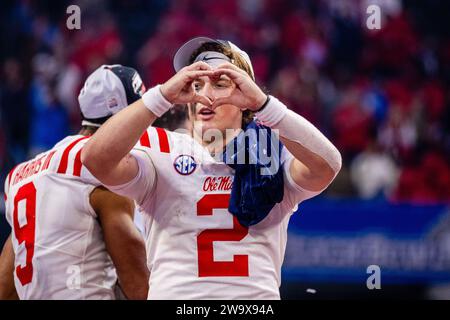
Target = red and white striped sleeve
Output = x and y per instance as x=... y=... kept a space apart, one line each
x=70 y=162
x=141 y=187
x=6 y=189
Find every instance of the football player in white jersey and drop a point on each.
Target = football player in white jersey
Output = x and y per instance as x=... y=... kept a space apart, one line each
x=197 y=249
x=72 y=238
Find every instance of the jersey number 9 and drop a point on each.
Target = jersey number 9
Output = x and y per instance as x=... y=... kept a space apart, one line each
x=25 y=234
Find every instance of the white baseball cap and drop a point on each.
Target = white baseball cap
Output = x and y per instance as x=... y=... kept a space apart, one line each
x=183 y=55
x=109 y=89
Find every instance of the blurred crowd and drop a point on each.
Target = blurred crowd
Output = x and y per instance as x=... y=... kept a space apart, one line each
x=382 y=96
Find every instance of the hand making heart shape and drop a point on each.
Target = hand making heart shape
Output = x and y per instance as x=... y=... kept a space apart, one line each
x=245 y=95
x=179 y=89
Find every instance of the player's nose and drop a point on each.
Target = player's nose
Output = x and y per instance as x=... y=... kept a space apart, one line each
x=208 y=91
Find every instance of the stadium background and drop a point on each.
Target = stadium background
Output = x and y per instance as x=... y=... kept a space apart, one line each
x=382 y=96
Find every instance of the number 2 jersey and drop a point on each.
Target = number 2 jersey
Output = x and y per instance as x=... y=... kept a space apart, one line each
x=57 y=240
x=196 y=249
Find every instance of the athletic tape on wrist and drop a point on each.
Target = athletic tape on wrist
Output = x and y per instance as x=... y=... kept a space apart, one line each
x=294 y=127
x=155 y=101
x=272 y=113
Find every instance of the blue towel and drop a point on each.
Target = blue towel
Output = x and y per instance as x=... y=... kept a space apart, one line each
x=254 y=194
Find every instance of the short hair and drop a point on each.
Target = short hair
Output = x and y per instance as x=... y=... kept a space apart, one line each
x=236 y=59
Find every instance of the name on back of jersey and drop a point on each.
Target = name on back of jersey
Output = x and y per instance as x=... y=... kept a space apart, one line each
x=33 y=167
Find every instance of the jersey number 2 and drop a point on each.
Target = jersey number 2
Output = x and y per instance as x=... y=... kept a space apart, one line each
x=207 y=267
x=26 y=232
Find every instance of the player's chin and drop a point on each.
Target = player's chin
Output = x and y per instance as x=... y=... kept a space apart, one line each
x=208 y=125
x=205 y=124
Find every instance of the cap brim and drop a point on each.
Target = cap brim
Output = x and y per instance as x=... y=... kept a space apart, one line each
x=183 y=55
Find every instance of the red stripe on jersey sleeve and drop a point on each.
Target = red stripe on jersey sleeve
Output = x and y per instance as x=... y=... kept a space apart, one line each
x=9 y=178
x=65 y=157
x=10 y=175
x=145 y=140
x=163 y=140
x=77 y=165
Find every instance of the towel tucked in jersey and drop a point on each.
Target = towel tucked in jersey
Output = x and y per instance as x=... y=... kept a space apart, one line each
x=258 y=183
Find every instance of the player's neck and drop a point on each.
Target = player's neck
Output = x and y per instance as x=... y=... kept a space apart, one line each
x=87 y=131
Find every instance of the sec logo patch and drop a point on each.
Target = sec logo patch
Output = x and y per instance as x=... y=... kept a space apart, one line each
x=185 y=164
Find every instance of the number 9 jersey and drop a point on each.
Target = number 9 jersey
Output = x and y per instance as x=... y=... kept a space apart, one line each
x=196 y=249
x=57 y=240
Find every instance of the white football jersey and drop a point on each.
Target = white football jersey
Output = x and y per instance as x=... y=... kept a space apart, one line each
x=196 y=249
x=57 y=240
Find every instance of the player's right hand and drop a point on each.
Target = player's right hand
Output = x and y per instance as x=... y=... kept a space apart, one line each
x=179 y=89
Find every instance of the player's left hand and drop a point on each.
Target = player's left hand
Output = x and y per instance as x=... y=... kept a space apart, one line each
x=246 y=94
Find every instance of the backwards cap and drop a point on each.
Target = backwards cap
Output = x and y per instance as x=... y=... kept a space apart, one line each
x=183 y=55
x=108 y=90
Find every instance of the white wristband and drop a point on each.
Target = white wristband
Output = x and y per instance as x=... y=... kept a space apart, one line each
x=272 y=113
x=155 y=101
x=294 y=127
